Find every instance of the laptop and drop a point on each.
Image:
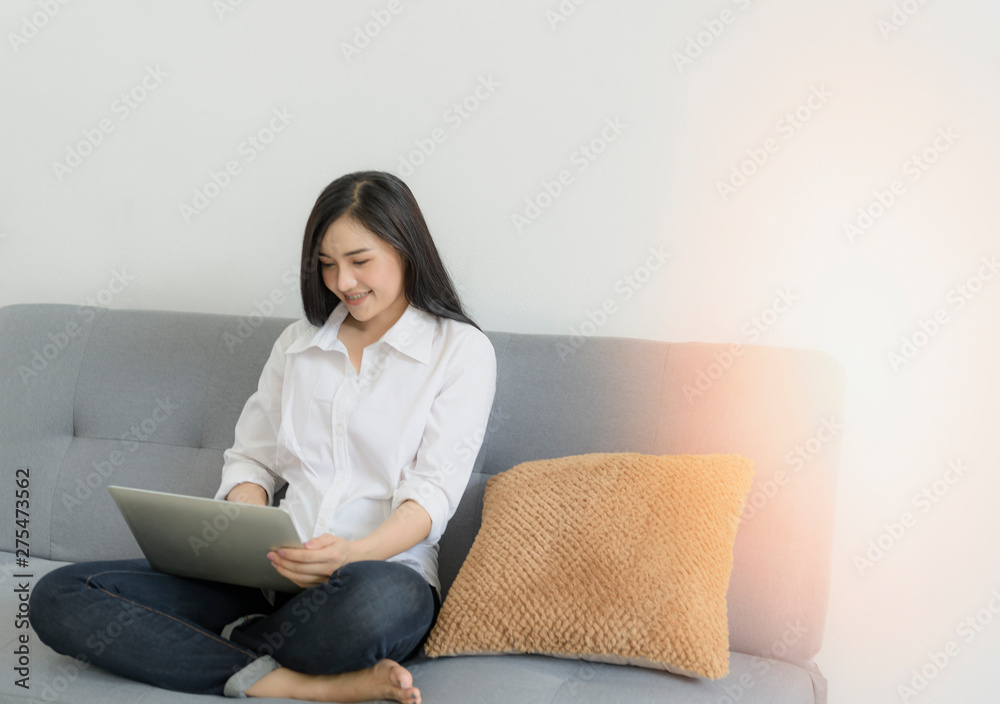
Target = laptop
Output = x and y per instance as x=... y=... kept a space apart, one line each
x=222 y=541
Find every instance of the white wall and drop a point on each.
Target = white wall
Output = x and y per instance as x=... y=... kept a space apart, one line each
x=871 y=95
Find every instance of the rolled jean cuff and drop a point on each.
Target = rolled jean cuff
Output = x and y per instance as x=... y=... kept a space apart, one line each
x=238 y=684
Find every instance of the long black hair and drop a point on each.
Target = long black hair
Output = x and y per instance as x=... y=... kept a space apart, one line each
x=384 y=205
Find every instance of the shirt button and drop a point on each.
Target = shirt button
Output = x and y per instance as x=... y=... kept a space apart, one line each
x=339 y=481
x=339 y=429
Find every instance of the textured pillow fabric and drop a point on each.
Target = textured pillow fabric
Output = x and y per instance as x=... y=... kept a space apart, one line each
x=620 y=558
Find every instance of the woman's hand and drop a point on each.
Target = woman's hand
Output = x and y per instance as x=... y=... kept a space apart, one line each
x=316 y=561
x=248 y=493
x=323 y=555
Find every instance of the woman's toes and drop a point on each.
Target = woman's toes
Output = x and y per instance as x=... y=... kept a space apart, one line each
x=399 y=681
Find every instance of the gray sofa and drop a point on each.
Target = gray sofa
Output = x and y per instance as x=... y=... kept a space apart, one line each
x=93 y=397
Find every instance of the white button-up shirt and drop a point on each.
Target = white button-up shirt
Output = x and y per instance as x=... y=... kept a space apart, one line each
x=354 y=446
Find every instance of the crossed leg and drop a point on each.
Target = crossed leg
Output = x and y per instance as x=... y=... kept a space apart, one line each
x=340 y=641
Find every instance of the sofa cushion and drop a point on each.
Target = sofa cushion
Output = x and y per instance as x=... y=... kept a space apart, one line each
x=614 y=557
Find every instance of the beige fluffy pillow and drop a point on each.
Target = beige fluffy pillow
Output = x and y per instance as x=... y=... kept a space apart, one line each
x=620 y=558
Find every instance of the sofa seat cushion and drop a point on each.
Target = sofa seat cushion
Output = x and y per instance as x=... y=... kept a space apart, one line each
x=540 y=679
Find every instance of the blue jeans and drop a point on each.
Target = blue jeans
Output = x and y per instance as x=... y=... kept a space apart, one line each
x=130 y=619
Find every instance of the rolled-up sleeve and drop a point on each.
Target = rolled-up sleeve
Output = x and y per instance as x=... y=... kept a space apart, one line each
x=453 y=435
x=253 y=456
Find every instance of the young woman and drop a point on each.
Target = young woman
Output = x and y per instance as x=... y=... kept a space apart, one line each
x=371 y=411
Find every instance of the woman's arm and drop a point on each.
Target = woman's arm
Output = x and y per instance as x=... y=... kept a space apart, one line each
x=454 y=431
x=248 y=493
x=405 y=527
x=252 y=459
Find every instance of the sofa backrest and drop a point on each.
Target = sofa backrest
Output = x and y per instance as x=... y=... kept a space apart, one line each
x=93 y=397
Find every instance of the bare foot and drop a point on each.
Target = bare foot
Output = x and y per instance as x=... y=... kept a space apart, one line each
x=386 y=679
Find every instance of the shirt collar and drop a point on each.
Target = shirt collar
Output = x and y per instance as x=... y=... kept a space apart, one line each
x=411 y=334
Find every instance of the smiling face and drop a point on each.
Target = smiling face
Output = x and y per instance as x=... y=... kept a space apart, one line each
x=365 y=273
